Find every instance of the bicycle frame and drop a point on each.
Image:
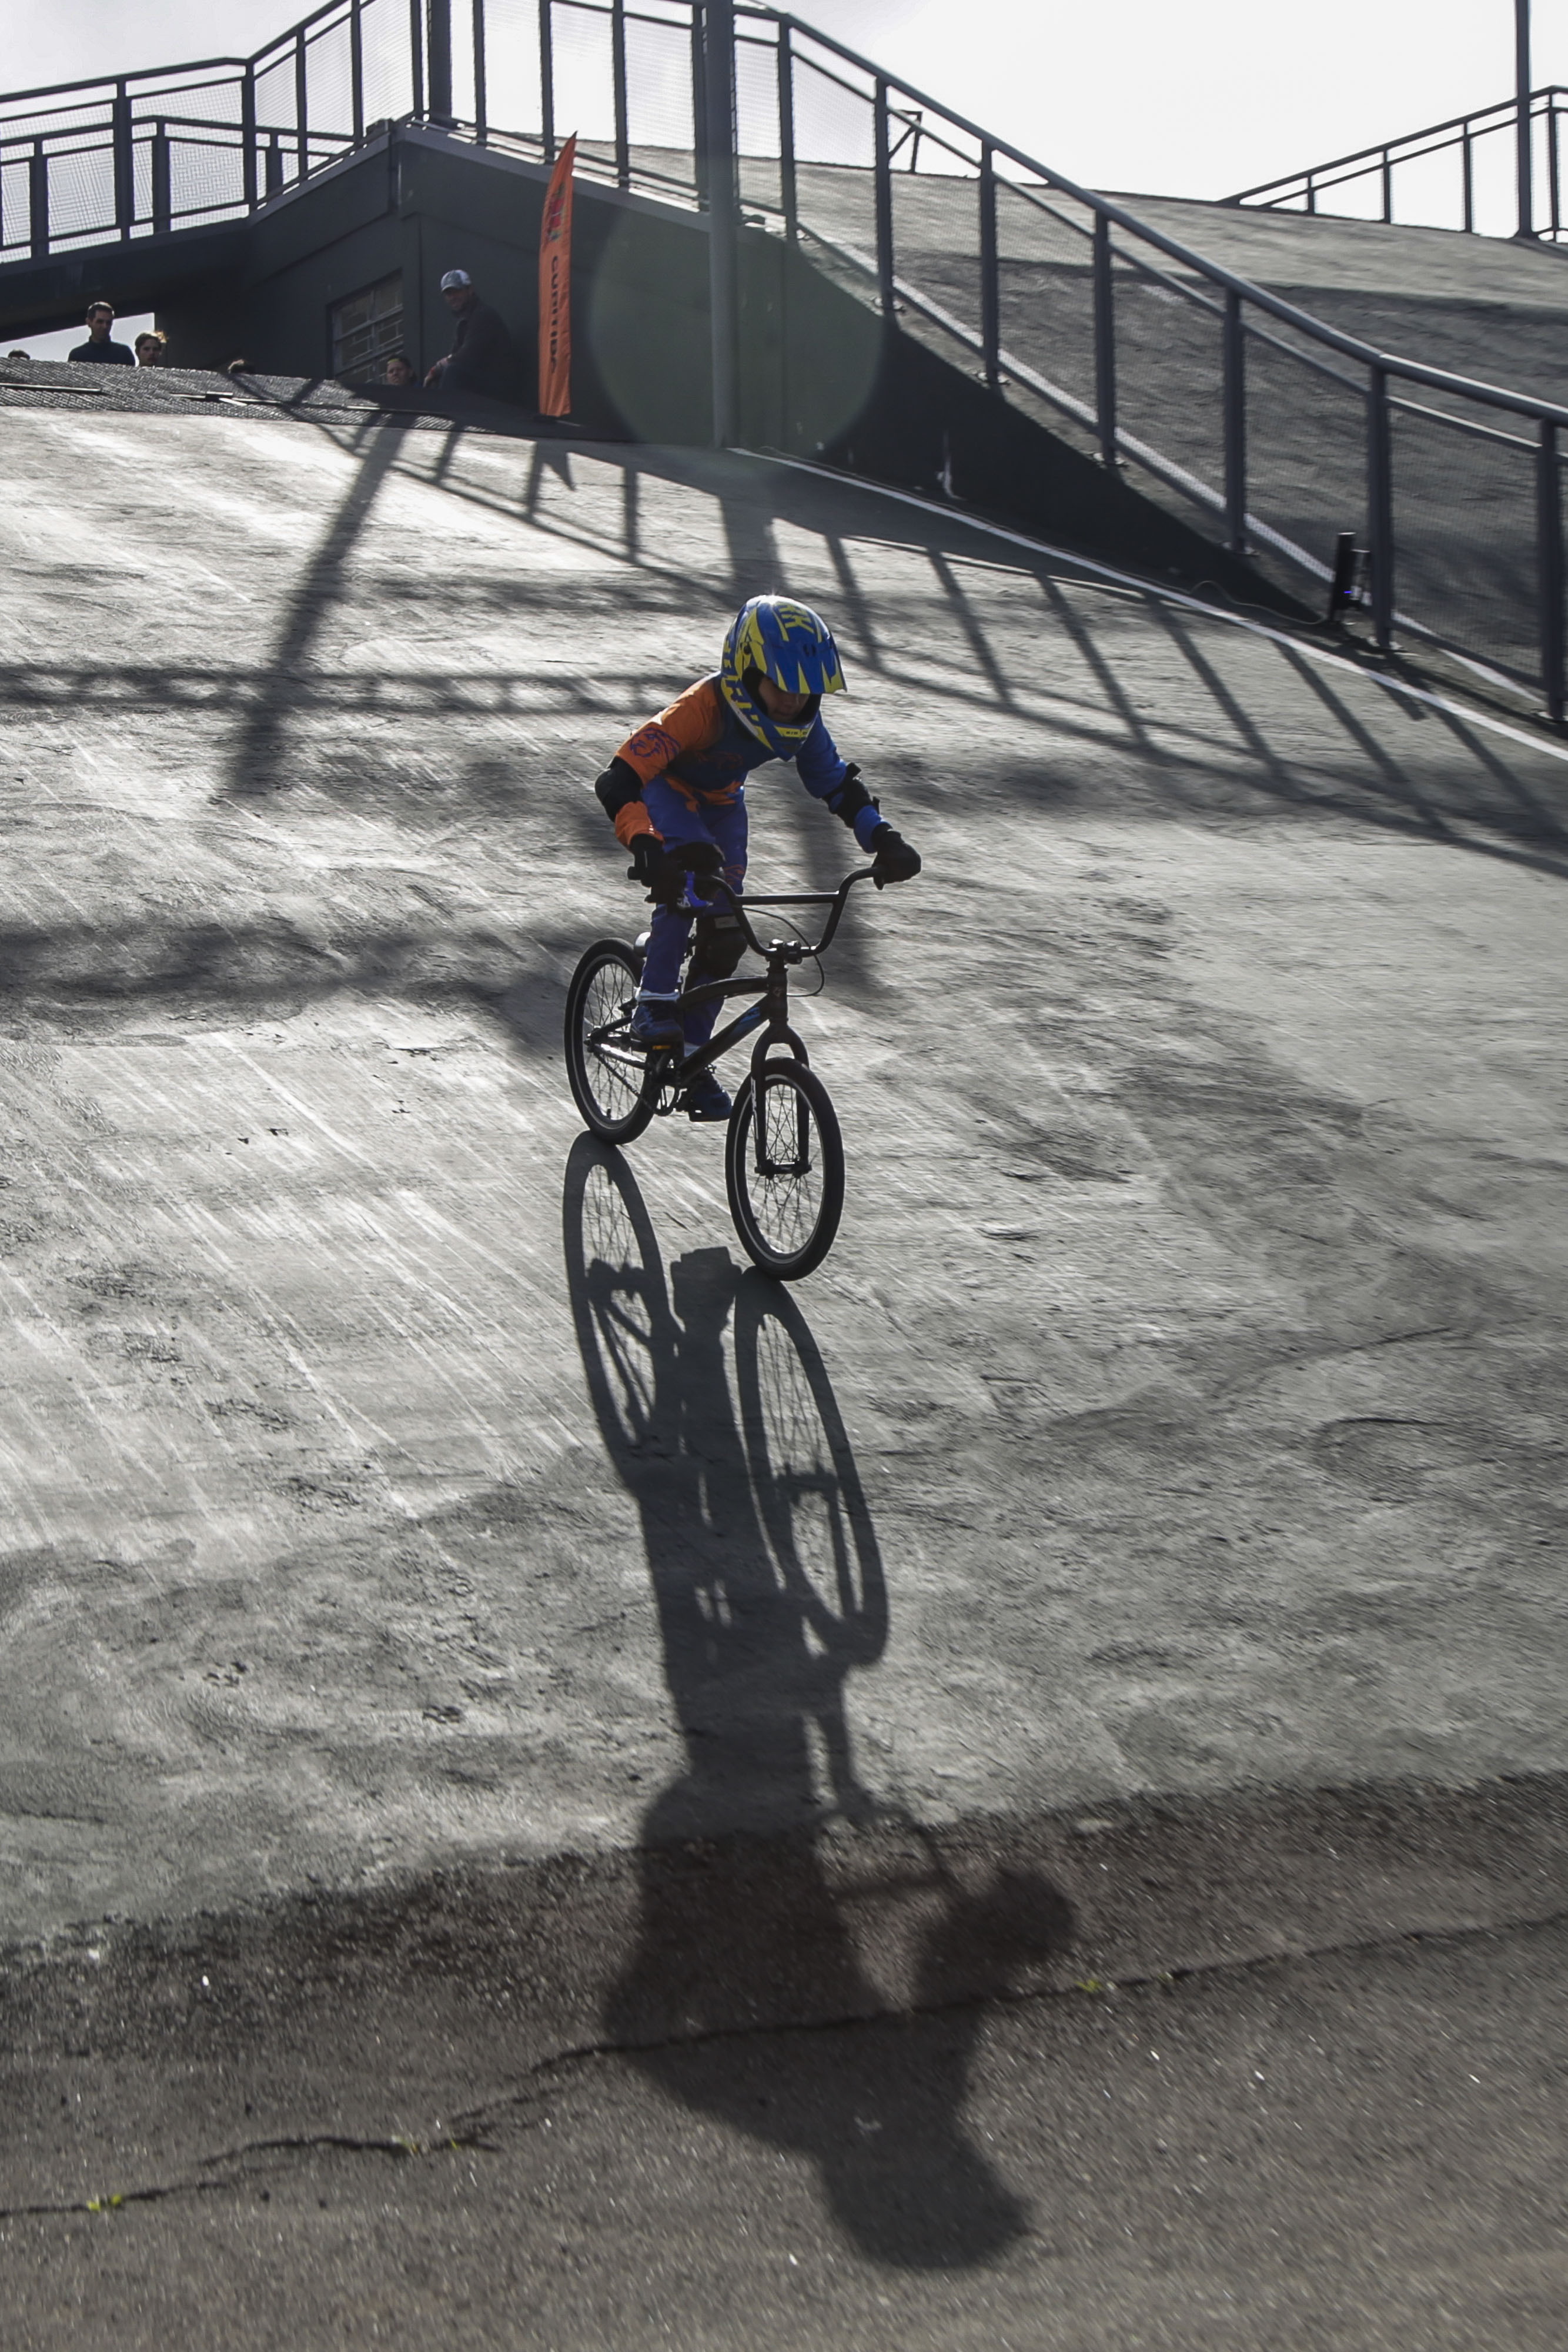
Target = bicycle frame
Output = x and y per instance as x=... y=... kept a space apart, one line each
x=770 y=1011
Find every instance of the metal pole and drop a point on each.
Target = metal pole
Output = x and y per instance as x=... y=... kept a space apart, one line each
x=1380 y=504
x=719 y=59
x=163 y=208
x=357 y=68
x=247 y=134
x=1549 y=569
x=1104 y=343
x=1521 y=116
x=883 y=168
x=547 y=81
x=302 y=101
x=618 y=77
x=1554 y=167
x=481 y=100
x=38 y=201
x=416 y=55
x=788 y=194
x=1387 y=190
x=438 y=37
x=699 y=107
x=124 y=164
x=991 y=290
x=1470 y=185
x=1235 y=335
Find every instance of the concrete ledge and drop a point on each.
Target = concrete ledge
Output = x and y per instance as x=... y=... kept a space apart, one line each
x=385 y=2017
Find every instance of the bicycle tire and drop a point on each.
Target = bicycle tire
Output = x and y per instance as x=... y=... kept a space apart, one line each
x=788 y=1214
x=615 y=1106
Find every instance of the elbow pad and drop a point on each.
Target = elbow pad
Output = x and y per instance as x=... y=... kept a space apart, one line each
x=617 y=788
x=851 y=797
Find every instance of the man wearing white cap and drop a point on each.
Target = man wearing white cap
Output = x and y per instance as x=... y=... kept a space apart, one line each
x=483 y=358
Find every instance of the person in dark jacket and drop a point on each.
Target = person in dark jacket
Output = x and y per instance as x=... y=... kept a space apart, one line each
x=98 y=346
x=483 y=358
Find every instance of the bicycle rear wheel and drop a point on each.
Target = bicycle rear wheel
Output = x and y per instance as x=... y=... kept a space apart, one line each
x=613 y=1082
x=784 y=1170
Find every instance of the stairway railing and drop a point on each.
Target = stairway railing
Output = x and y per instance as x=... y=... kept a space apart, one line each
x=1275 y=431
x=1477 y=192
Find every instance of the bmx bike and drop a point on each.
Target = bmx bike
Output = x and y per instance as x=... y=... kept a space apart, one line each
x=784 y=1157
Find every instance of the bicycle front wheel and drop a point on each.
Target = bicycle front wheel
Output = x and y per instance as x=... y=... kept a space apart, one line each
x=612 y=1083
x=784 y=1168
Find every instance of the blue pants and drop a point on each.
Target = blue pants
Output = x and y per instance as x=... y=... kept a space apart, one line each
x=723 y=823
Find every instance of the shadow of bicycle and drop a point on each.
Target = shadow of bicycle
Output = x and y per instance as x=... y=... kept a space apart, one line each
x=770 y=1877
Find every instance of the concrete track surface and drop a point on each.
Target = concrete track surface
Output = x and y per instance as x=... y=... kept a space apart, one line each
x=455 y=1616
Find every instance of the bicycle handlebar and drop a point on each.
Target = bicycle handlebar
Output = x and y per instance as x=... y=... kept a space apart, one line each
x=837 y=899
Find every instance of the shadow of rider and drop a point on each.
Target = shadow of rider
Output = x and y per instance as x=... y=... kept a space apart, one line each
x=765 y=1864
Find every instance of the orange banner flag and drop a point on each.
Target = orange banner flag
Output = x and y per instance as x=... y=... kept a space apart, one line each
x=555 y=289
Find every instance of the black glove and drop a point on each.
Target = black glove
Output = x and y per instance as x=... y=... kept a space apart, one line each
x=895 y=860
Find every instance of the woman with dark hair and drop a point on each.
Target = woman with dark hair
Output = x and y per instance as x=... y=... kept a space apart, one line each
x=150 y=346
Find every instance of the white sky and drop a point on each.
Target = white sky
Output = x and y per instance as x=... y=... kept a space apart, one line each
x=1179 y=96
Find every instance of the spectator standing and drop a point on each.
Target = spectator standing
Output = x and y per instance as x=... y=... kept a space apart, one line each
x=98 y=346
x=483 y=358
x=152 y=347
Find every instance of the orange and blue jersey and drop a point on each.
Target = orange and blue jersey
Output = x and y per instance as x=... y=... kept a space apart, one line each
x=700 y=747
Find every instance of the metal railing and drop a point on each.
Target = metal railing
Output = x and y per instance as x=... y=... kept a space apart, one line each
x=1271 y=429
x=1479 y=187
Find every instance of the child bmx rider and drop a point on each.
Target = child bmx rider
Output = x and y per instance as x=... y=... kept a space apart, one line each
x=675 y=792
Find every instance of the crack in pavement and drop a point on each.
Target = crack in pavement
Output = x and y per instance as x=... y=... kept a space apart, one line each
x=399 y=2150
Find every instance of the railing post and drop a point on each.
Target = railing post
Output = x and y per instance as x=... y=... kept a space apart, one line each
x=788 y=194
x=302 y=101
x=438 y=54
x=618 y=79
x=1469 y=182
x=1552 y=168
x=1104 y=343
x=718 y=45
x=163 y=207
x=1549 y=569
x=991 y=290
x=124 y=163
x=274 y=165
x=1380 y=504
x=1312 y=194
x=883 y=175
x=1235 y=425
x=1523 y=129
x=1387 y=190
x=38 y=201
x=547 y=81
x=416 y=56
x=356 y=67
x=481 y=97
x=699 y=106
x=247 y=135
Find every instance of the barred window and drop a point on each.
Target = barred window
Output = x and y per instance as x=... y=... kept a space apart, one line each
x=367 y=326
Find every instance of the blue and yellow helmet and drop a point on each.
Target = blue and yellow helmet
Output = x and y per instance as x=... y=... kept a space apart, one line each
x=786 y=642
